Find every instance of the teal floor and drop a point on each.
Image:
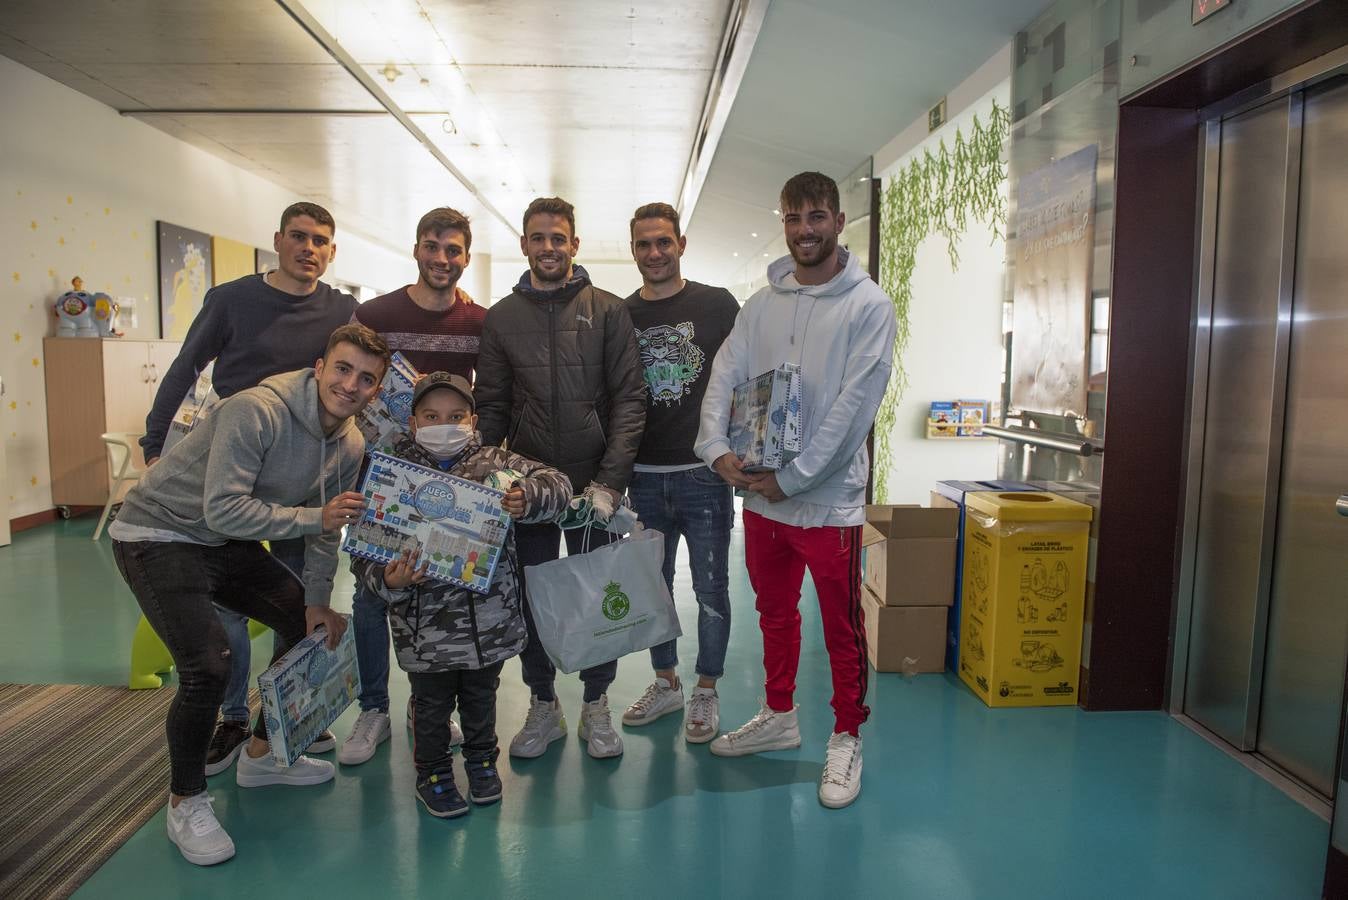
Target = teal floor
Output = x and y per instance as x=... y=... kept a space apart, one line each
x=958 y=800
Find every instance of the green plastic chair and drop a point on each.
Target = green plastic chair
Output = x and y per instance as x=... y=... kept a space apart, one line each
x=150 y=659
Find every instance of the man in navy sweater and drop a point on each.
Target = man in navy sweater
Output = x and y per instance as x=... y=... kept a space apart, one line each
x=255 y=327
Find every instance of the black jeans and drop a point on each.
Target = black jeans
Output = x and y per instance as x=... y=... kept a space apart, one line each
x=176 y=585
x=539 y=544
x=435 y=695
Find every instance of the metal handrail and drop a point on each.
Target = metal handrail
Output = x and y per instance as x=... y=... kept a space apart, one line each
x=1073 y=444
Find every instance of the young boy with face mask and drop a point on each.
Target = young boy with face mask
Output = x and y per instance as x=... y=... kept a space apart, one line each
x=451 y=641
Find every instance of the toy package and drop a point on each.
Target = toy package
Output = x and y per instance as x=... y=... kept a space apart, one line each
x=200 y=399
x=384 y=419
x=457 y=524
x=305 y=691
x=765 y=428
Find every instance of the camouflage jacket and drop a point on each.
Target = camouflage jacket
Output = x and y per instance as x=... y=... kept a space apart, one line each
x=438 y=626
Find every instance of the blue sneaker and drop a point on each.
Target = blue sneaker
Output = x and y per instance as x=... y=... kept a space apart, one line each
x=484 y=783
x=440 y=795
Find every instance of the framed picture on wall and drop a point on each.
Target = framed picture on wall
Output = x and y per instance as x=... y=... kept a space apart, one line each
x=185 y=274
x=265 y=260
x=231 y=260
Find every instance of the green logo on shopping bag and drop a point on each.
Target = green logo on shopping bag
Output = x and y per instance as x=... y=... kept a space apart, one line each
x=616 y=604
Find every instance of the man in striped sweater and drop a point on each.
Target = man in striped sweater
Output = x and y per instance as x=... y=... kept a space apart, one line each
x=436 y=327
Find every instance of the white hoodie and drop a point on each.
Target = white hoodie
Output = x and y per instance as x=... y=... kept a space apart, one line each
x=841 y=334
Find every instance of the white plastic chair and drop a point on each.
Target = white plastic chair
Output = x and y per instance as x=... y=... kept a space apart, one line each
x=123 y=468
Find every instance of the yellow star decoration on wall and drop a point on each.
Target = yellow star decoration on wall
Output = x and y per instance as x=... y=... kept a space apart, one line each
x=16 y=276
x=33 y=224
x=33 y=481
x=61 y=241
x=17 y=337
x=107 y=210
x=69 y=199
x=35 y=362
x=14 y=404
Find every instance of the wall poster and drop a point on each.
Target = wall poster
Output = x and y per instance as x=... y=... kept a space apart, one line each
x=185 y=274
x=1055 y=244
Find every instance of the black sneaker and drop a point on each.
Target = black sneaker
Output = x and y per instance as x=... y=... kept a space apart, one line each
x=484 y=784
x=226 y=743
x=440 y=795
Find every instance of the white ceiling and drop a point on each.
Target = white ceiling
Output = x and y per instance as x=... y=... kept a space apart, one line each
x=595 y=101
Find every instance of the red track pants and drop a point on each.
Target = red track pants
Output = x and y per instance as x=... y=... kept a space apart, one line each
x=776 y=556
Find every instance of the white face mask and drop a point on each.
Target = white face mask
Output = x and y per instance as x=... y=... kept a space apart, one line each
x=444 y=441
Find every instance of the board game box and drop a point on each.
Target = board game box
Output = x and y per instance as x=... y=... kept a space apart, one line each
x=305 y=691
x=384 y=419
x=458 y=524
x=765 y=428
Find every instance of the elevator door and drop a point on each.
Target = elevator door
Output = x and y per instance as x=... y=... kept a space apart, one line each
x=1269 y=630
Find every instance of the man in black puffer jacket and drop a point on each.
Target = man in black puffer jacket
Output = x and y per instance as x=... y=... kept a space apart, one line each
x=559 y=380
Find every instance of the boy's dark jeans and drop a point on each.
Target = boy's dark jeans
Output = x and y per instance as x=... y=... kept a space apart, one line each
x=435 y=696
x=175 y=585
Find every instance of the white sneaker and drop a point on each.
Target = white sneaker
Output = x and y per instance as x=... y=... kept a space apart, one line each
x=767 y=730
x=840 y=783
x=543 y=725
x=197 y=833
x=455 y=732
x=596 y=729
x=660 y=699
x=703 y=718
x=258 y=771
x=371 y=730
x=323 y=743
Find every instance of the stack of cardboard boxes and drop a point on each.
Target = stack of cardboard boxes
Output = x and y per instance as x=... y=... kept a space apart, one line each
x=909 y=584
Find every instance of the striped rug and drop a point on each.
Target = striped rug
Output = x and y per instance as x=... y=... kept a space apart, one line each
x=81 y=769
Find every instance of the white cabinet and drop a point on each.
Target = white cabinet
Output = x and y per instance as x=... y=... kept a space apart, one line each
x=93 y=386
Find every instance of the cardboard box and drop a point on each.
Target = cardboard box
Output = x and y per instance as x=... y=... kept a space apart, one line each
x=896 y=633
x=910 y=554
x=1025 y=565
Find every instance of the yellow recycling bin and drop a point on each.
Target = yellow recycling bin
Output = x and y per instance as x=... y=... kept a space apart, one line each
x=1023 y=596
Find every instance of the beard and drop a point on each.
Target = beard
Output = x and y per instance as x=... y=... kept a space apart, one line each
x=433 y=277
x=554 y=277
x=827 y=244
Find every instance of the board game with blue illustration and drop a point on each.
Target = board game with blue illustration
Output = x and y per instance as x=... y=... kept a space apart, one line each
x=305 y=691
x=765 y=428
x=384 y=419
x=458 y=525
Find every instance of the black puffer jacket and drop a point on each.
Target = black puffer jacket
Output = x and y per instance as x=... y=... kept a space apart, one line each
x=559 y=379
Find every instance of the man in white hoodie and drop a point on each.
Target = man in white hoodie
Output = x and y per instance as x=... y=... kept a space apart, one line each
x=823 y=313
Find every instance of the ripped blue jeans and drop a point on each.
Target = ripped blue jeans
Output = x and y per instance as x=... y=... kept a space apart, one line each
x=697 y=505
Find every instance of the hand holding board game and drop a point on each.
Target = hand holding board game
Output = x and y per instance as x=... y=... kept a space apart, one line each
x=384 y=419
x=305 y=691
x=765 y=419
x=458 y=525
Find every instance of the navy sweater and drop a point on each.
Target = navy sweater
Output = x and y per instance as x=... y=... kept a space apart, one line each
x=252 y=331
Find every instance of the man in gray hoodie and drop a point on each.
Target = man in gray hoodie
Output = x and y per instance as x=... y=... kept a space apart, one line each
x=821 y=312
x=276 y=461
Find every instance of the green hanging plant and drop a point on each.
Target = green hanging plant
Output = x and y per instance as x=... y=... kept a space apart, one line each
x=938 y=193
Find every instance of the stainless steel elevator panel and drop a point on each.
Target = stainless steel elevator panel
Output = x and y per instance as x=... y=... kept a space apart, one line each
x=1222 y=679
x=1307 y=645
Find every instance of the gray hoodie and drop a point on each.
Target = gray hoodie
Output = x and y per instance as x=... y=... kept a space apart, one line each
x=259 y=467
x=841 y=334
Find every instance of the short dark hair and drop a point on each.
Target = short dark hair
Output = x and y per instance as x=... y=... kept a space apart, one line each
x=655 y=211
x=810 y=187
x=362 y=338
x=554 y=206
x=312 y=210
x=445 y=219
